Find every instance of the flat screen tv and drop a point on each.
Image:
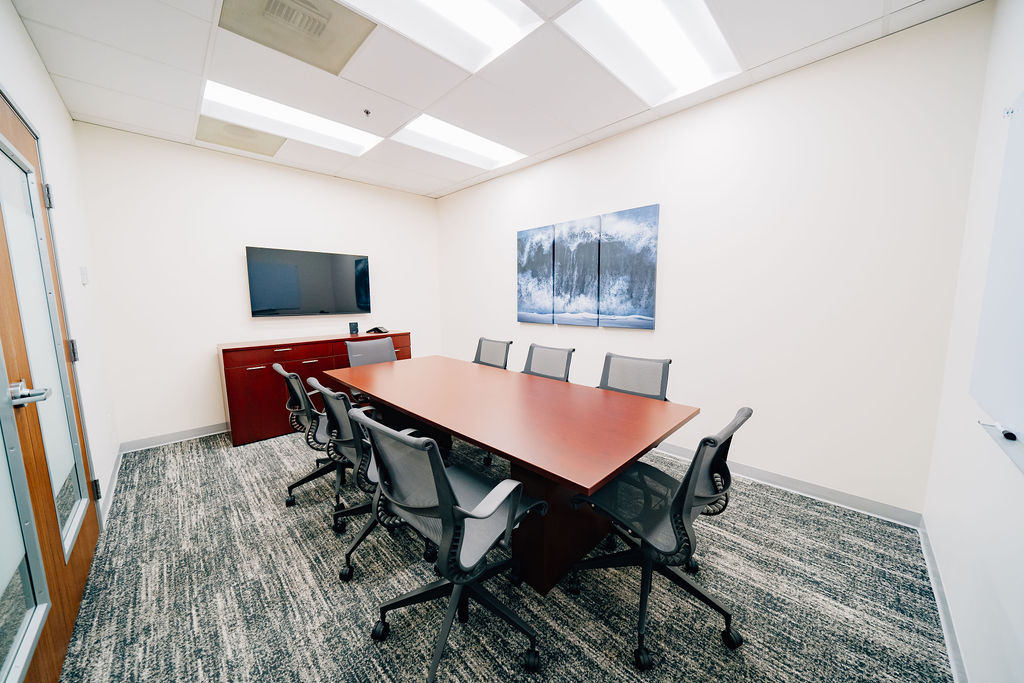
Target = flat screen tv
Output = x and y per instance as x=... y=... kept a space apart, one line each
x=287 y=282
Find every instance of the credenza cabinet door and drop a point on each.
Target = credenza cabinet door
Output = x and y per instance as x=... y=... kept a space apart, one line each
x=256 y=400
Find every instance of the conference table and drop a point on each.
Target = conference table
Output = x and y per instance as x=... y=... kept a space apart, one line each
x=561 y=439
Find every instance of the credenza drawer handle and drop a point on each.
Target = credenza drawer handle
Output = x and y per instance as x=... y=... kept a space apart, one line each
x=258 y=367
x=279 y=350
x=310 y=361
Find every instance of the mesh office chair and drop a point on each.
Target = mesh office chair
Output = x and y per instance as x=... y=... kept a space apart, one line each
x=548 y=361
x=651 y=506
x=371 y=351
x=304 y=417
x=492 y=352
x=348 y=446
x=639 y=376
x=367 y=353
x=465 y=514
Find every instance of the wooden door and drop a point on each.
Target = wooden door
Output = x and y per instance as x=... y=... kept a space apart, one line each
x=33 y=339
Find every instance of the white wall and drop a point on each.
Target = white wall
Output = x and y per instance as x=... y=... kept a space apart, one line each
x=171 y=223
x=809 y=239
x=23 y=79
x=975 y=505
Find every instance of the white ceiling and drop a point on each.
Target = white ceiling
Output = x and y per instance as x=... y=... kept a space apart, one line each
x=140 y=66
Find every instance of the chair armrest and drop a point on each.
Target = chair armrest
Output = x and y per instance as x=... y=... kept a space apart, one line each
x=509 y=491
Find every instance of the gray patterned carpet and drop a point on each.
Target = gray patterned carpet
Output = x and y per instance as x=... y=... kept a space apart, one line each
x=203 y=574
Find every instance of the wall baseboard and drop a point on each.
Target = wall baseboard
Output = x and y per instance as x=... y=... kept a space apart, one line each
x=956 y=660
x=150 y=442
x=846 y=500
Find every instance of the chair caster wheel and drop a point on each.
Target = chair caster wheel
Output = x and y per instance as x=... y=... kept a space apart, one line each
x=531 y=660
x=380 y=630
x=338 y=526
x=609 y=543
x=515 y=579
x=642 y=658
x=732 y=638
x=346 y=573
x=487 y=460
x=289 y=501
x=430 y=554
x=691 y=566
x=436 y=570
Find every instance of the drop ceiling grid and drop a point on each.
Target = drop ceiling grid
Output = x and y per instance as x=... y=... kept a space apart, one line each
x=544 y=97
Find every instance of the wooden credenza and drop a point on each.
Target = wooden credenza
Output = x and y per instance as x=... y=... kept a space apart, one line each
x=255 y=395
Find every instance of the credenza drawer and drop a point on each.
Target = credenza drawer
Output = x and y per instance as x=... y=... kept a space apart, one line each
x=256 y=395
x=236 y=358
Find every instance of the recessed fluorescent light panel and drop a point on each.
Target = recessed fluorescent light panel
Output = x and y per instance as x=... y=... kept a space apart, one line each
x=439 y=137
x=469 y=33
x=245 y=109
x=661 y=49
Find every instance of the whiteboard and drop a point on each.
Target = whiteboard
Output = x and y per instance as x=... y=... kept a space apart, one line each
x=998 y=380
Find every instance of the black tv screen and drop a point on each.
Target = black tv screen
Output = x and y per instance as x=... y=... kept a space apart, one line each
x=287 y=282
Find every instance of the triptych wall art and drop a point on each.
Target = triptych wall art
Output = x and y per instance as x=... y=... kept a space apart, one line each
x=593 y=271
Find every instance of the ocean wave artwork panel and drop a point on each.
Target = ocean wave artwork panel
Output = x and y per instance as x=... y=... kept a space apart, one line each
x=593 y=271
x=628 y=268
x=577 y=247
x=535 y=275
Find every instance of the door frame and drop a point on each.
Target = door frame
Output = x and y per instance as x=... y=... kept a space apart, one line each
x=65 y=574
x=77 y=518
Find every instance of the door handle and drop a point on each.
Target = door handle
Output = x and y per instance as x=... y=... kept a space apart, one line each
x=22 y=395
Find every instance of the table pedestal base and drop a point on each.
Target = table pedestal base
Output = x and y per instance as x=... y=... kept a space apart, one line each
x=546 y=547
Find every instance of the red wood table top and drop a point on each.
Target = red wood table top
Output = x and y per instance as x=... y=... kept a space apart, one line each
x=579 y=436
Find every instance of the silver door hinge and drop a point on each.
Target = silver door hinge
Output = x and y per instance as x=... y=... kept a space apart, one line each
x=73 y=350
x=96 y=493
x=48 y=194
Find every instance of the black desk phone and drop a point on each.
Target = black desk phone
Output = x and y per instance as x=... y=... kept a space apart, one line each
x=377 y=330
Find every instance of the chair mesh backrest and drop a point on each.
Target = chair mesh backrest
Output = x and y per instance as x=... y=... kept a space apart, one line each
x=370 y=352
x=298 y=400
x=548 y=361
x=492 y=352
x=412 y=475
x=707 y=479
x=640 y=376
x=347 y=438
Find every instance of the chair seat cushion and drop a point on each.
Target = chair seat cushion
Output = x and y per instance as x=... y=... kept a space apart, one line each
x=640 y=499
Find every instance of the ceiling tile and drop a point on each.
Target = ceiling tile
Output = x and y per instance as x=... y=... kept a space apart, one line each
x=204 y=9
x=759 y=31
x=243 y=64
x=89 y=62
x=397 y=67
x=90 y=103
x=483 y=108
x=554 y=74
x=142 y=27
x=389 y=176
x=391 y=153
x=549 y=8
x=313 y=158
